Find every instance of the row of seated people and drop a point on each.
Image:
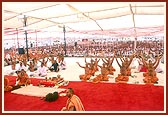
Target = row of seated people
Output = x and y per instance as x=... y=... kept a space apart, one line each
x=33 y=65
x=148 y=67
x=107 y=69
x=125 y=69
x=42 y=69
x=92 y=67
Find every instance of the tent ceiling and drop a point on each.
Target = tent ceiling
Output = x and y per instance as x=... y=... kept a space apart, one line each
x=91 y=16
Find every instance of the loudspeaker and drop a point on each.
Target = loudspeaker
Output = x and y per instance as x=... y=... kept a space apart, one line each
x=75 y=44
x=31 y=45
x=21 y=51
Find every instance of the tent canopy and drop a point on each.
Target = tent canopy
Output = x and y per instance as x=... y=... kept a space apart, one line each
x=106 y=18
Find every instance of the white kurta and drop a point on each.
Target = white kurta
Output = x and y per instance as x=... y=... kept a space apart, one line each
x=42 y=71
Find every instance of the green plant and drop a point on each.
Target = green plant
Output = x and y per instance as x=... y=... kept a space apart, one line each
x=51 y=97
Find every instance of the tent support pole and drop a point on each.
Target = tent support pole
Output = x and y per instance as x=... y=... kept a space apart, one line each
x=36 y=40
x=134 y=26
x=25 y=24
x=64 y=40
x=17 y=38
x=135 y=43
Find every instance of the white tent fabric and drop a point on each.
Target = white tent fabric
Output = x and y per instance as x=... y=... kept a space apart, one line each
x=117 y=19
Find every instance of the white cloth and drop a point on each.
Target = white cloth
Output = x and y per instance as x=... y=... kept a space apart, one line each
x=31 y=74
x=62 y=65
x=7 y=56
x=36 y=91
x=133 y=63
x=42 y=71
x=22 y=67
x=159 y=69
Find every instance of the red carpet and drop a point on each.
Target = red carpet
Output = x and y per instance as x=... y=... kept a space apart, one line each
x=95 y=97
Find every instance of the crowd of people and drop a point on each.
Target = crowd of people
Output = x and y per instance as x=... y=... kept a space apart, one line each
x=149 y=56
x=47 y=54
x=96 y=49
x=31 y=63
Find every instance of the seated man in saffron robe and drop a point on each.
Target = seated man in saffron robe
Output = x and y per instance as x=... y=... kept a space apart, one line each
x=73 y=103
x=23 y=78
x=150 y=75
x=88 y=72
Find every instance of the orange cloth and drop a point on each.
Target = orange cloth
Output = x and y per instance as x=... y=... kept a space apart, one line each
x=84 y=77
x=97 y=79
x=121 y=78
x=74 y=101
x=150 y=79
x=7 y=87
x=23 y=79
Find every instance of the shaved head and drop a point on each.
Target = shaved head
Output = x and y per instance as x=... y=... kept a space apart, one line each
x=71 y=90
